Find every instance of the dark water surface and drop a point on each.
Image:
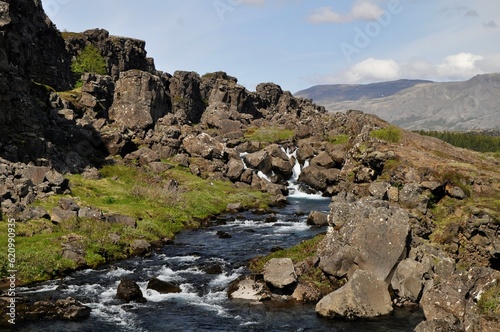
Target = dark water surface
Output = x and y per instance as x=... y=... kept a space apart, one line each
x=203 y=304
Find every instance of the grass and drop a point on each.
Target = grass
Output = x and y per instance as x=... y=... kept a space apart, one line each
x=338 y=139
x=72 y=96
x=269 y=134
x=161 y=211
x=297 y=254
x=390 y=134
x=489 y=303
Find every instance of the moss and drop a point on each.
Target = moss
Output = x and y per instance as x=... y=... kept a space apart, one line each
x=390 y=134
x=269 y=134
x=68 y=34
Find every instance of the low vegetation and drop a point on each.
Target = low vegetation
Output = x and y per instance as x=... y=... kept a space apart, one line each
x=391 y=134
x=489 y=303
x=163 y=204
x=269 y=134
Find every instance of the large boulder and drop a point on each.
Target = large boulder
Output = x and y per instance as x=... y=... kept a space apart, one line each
x=128 y=290
x=372 y=236
x=140 y=100
x=408 y=279
x=204 y=146
x=319 y=178
x=280 y=272
x=247 y=288
x=363 y=296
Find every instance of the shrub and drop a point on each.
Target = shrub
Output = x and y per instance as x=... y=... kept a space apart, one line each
x=89 y=60
x=390 y=134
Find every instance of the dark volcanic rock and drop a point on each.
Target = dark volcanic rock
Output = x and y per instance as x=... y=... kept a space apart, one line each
x=128 y=291
x=140 y=100
x=163 y=287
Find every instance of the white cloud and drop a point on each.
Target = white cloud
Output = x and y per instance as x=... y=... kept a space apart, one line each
x=362 y=10
x=249 y=2
x=365 y=10
x=373 y=70
x=461 y=66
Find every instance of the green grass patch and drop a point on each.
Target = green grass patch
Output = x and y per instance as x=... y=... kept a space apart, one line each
x=390 y=134
x=160 y=211
x=297 y=253
x=338 y=139
x=269 y=134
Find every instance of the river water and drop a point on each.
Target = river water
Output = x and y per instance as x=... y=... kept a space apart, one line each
x=203 y=304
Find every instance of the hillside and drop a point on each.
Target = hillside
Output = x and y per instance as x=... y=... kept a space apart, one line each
x=468 y=105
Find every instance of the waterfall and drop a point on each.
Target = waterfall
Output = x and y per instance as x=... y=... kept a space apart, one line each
x=294 y=185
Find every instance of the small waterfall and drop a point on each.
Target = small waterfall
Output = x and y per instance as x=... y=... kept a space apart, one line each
x=294 y=186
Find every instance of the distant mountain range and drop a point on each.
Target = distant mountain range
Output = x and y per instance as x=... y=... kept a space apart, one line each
x=418 y=104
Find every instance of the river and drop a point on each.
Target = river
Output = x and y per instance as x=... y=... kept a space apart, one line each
x=203 y=304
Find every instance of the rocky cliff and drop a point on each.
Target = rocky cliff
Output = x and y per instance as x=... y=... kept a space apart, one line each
x=407 y=211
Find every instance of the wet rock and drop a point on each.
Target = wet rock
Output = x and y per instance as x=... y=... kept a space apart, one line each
x=223 y=235
x=323 y=159
x=363 y=296
x=128 y=291
x=317 y=218
x=163 y=287
x=140 y=247
x=280 y=272
x=319 y=178
x=247 y=288
x=234 y=207
x=213 y=269
x=260 y=160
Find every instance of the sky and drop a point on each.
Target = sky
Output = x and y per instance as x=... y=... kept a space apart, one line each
x=297 y=43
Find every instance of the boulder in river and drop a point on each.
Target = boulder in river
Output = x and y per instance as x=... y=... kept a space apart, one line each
x=280 y=272
x=363 y=296
x=248 y=288
x=163 y=287
x=128 y=290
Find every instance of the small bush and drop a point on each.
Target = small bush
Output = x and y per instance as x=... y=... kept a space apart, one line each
x=89 y=60
x=390 y=134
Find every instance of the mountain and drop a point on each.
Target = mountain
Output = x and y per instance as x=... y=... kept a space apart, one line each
x=414 y=104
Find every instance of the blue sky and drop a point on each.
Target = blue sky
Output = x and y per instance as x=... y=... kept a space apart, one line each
x=299 y=43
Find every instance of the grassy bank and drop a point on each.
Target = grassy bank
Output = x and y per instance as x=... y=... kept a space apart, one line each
x=163 y=204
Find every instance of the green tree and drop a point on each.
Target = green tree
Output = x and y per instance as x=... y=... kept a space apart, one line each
x=89 y=60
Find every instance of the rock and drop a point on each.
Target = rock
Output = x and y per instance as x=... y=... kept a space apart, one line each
x=140 y=100
x=235 y=168
x=223 y=235
x=247 y=288
x=347 y=249
x=364 y=175
x=304 y=152
x=213 y=269
x=411 y=196
x=379 y=189
x=438 y=325
x=90 y=213
x=323 y=159
x=455 y=192
x=59 y=215
x=393 y=194
x=408 y=279
x=56 y=179
x=363 y=296
x=187 y=100
x=68 y=205
x=306 y=293
x=140 y=247
x=280 y=272
x=121 y=219
x=128 y=290
x=260 y=161
x=319 y=178
x=163 y=287
x=317 y=218
x=204 y=146
x=234 y=207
